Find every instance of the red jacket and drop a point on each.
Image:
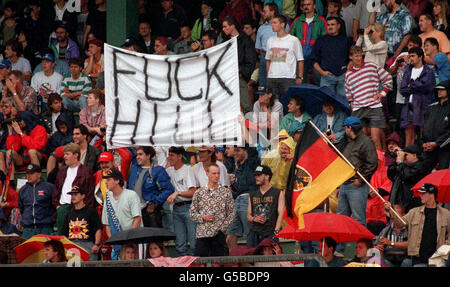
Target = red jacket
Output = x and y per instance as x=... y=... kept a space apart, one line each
x=12 y=198
x=37 y=139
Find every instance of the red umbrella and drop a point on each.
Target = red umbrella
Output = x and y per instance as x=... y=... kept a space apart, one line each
x=318 y=225
x=440 y=179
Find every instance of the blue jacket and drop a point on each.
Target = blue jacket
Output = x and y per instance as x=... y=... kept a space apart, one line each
x=35 y=204
x=338 y=124
x=156 y=188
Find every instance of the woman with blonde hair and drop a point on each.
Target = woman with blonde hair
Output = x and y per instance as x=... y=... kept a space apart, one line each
x=129 y=252
x=440 y=9
x=373 y=44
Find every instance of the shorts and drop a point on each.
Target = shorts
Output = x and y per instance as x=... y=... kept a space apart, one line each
x=372 y=117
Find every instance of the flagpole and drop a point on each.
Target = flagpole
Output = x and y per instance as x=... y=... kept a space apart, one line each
x=357 y=172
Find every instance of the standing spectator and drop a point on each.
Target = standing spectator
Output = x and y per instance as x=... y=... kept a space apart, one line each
x=393 y=144
x=48 y=81
x=73 y=173
x=106 y=162
x=24 y=96
x=374 y=47
x=96 y=23
x=146 y=40
x=152 y=184
x=249 y=28
x=74 y=87
x=212 y=209
x=205 y=22
x=426 y=23
x=428 y=226
x=207 y=157
x=331 y=66
x=440 y=9
x=284 y=54
x=184 y=45
x=331 y=122
x=183 y=179
x=397 y=22
x=265 y=208
x=13 y=52
x=35 y=204
x=238 y=9
x=437 y=59
x=246 y=58
x=94 y=64
x=361 y=17
x=61 y=14
x=122 y=208
x=335 y=10
x=242 y=183
x=417 y=87
x=82 y=225
x=308 y=28
x=361 y=153
x=327 y=247
x=63 y=47
x=297 y=116
x=362 y=88
x=82 y=19
x=170 y=20
x=93 y=116
x=405 y=172
x=436 y=130
x=348 y=11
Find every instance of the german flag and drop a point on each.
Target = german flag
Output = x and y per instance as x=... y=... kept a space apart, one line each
x=316 y=171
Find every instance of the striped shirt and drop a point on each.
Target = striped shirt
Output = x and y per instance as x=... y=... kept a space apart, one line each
x=83 y=83
x=361 y=85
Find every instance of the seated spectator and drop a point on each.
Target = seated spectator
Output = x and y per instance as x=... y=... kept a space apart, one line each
x=205 y=22
x=417 y=87
x=393 y=144
x=55 y=108
x=375 y=213
x=93 y=116
x=267 y=110
x=94 y=64
x=9 y=23
x=184 y=45
x=62 y=135
x=25 y=97
x=426 y=24
x=374 y=47
x=61 y=66
x=161 y=46
x=441 y=18
x=392 y=240
x=269 y=247
x=155 y=250
x=145 y=39
x=404 y=173
x=297 y=116
x=64 y=47
x=437 y=59
x=280 y=163
x=74 y=87
x=327 y=247
x=12 y=52
x=54 y=252
x=362 y=246
x=129 y=251
x=48 y=81
x=5 y=68
x=29 y=51
x=331 y=122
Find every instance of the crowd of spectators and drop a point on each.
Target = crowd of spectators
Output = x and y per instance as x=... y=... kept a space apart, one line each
x=391 y=64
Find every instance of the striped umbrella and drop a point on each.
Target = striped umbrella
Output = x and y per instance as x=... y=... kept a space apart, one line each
x=33 y=250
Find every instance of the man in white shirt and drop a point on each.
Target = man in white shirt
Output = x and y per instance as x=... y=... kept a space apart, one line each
x=284 y=53
x=47 y=81
x=183 y=180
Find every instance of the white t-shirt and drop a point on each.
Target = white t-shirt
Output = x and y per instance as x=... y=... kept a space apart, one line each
x=22 y=65
x=126 y=206
x=67 y=186
x=415 y=73
x=309 y=20
x=50 y=84
x=54 y=117
x=201 y=179
x=182 y=179
x=330 y=121
x=299 y=119
x=283 y=54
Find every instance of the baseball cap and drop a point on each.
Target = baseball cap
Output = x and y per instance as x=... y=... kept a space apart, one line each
x=105 y=157
x=261 y=90
x=76 y=189
x=33 y=168
x=113 y=173
x=49 y=57
x=414 y=149
x=443 y=85
x=352 y=122
x=263 y=169
x=428 y=187
x=5 y=63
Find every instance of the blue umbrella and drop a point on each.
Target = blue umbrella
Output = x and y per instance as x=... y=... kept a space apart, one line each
x=314 y=98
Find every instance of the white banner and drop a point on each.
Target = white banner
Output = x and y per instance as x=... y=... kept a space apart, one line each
x=176 y=100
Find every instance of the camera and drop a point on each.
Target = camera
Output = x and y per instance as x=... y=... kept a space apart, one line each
x=103 y=130
x=10 y=121
x=401 y=60
x=360 y=31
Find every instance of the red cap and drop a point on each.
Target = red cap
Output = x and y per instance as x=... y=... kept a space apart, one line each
x=105 y=157
x=59 y=151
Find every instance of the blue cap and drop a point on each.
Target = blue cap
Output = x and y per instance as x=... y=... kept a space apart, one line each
x=5 y=63
x=49 y=57
x=352 y=122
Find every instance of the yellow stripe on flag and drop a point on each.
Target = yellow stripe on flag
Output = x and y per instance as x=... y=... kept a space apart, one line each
x=321 y=187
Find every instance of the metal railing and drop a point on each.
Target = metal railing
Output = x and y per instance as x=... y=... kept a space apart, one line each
x=202 y=260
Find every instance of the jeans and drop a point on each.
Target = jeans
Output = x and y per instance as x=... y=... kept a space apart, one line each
x=254 y=238
x=262 y=70
x=352 y=201
x=240 y=225
x=167 y=218
x=29 y=232
x=279 y=87
x=308 y=65
x=335 y=83
x=184 y=229
x=74 y=105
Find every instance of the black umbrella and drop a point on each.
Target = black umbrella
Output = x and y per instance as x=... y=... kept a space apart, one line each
x=141 y=235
